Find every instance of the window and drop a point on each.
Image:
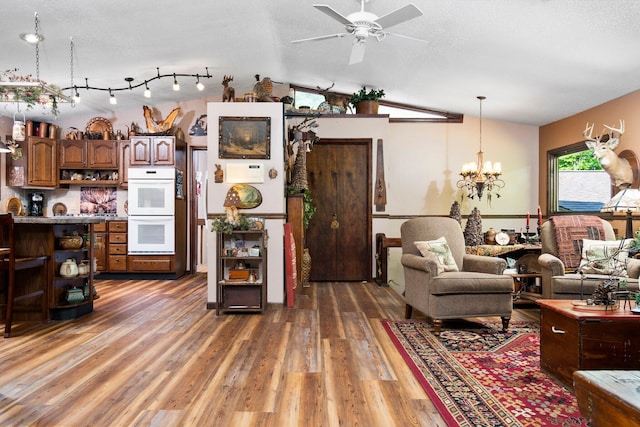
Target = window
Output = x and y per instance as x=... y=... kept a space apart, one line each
x=314 y=100
x=577 y=182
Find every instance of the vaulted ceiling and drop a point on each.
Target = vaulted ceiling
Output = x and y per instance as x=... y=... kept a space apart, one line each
x=536 y=61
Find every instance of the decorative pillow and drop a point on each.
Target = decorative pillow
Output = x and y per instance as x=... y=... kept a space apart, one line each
x=439 y=248
x=605 y=256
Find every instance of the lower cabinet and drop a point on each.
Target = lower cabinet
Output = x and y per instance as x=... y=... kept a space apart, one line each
x=117 y=245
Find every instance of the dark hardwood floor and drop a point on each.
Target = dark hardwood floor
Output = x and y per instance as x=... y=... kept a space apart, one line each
x=152 y=354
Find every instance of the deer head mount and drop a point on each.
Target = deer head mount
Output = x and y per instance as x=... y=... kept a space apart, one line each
x=618 y=168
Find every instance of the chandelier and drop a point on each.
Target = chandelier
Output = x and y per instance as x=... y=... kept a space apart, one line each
x=481 y=177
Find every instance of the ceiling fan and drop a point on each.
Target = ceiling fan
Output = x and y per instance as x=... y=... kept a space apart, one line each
x=363 y=25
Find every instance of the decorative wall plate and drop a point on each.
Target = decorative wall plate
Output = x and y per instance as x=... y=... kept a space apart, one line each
x=99 y=125
x=14 y=205
x=59 y=209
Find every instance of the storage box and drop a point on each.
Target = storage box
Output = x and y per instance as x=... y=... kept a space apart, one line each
x=242 y=274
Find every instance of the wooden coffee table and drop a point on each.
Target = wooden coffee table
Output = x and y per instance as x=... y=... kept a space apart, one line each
x=576 y=339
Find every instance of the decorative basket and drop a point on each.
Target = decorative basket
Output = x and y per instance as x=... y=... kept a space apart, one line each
x=71 y=242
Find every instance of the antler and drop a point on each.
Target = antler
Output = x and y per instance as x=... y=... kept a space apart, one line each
x=588 y=131
x=620 y=130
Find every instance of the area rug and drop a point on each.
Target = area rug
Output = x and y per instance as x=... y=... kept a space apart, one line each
x=477 y=375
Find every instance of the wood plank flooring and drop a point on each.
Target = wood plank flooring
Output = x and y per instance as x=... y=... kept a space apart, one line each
x=151 y=354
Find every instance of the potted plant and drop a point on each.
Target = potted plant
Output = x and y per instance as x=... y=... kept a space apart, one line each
x=366 y=102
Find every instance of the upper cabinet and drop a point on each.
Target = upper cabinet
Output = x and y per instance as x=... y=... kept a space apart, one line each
x=152 y=151
x=33 y=164
x=88 y=154
x=93 y=161
x=41 y=169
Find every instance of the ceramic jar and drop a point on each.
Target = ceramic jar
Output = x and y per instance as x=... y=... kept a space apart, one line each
x=84 y=267
x=74 y=295
x=69 y=268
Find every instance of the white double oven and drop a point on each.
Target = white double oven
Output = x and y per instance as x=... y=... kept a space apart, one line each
x=151 y=211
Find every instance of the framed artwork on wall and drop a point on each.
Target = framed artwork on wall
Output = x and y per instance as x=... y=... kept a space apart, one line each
x=244 y=137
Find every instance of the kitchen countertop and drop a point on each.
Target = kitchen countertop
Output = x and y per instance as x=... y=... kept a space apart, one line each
x=62 y=219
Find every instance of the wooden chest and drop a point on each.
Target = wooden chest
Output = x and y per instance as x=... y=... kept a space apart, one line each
x=572 y=340
x=609 y=398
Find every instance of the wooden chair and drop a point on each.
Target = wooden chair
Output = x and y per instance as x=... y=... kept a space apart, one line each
x=10 y=262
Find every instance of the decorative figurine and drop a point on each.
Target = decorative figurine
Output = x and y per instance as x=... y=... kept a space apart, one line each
x=229 y=93
x=218 y=175
x=160 y=125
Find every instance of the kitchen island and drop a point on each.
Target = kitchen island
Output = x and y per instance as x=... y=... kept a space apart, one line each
x=38 y=236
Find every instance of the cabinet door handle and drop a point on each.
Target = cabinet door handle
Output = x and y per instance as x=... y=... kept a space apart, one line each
x=556 y=331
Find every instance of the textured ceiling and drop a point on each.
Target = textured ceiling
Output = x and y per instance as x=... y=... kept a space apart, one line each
x=536 y=61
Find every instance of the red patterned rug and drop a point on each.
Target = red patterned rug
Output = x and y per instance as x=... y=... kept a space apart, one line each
x=477 y=375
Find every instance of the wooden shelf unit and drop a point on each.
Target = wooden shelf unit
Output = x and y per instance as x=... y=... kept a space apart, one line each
x=241 y=294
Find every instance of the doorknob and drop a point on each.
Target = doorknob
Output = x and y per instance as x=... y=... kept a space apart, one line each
x=335 y=224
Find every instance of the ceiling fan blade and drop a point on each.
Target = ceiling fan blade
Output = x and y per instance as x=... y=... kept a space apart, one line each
x=399 y=16
x=332 y=13
x=311 y=39
x=357 y=52
x=406 y=37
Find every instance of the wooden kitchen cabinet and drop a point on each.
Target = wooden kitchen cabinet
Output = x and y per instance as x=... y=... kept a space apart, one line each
x=117 y=257
x=88 y=154
x=152 y=151
x=42 y=164
x=95 y=160
x=124 y=162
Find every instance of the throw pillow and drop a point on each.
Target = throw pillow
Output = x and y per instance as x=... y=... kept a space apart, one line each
x=439 y=248
x=605 y=256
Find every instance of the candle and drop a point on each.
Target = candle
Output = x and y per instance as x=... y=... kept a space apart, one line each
x=539 y=216
x=528 y=219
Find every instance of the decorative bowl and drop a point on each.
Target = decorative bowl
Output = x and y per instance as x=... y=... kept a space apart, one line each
x=71 y=242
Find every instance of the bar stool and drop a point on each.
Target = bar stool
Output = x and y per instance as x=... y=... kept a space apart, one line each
x=9 y=264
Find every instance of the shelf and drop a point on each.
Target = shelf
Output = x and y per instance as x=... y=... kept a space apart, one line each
x=102 y=182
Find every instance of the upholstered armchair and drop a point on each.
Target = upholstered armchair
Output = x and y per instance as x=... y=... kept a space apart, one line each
x=464 y=286
x=562 y=277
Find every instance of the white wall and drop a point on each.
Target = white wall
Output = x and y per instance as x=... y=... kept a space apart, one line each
x=273 y=201
x=422 y=161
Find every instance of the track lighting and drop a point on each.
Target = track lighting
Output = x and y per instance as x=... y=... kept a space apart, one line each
x=76 y=95
x=145 y=83
x=199 y=85
x=112 y=98
x=176 y=85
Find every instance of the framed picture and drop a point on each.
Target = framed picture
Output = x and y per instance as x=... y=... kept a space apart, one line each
x=244 y=137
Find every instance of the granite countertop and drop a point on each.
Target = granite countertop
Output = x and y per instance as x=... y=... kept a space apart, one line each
x=62 y=219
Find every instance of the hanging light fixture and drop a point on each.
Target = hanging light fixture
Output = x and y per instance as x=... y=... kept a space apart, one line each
x=112 y=98
x=481 y=177
x=199 y=85
x=16 y=88
x=176 y=85
x=147 y=92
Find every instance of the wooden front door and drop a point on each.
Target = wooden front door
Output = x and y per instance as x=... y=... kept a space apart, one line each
x=339 y=234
